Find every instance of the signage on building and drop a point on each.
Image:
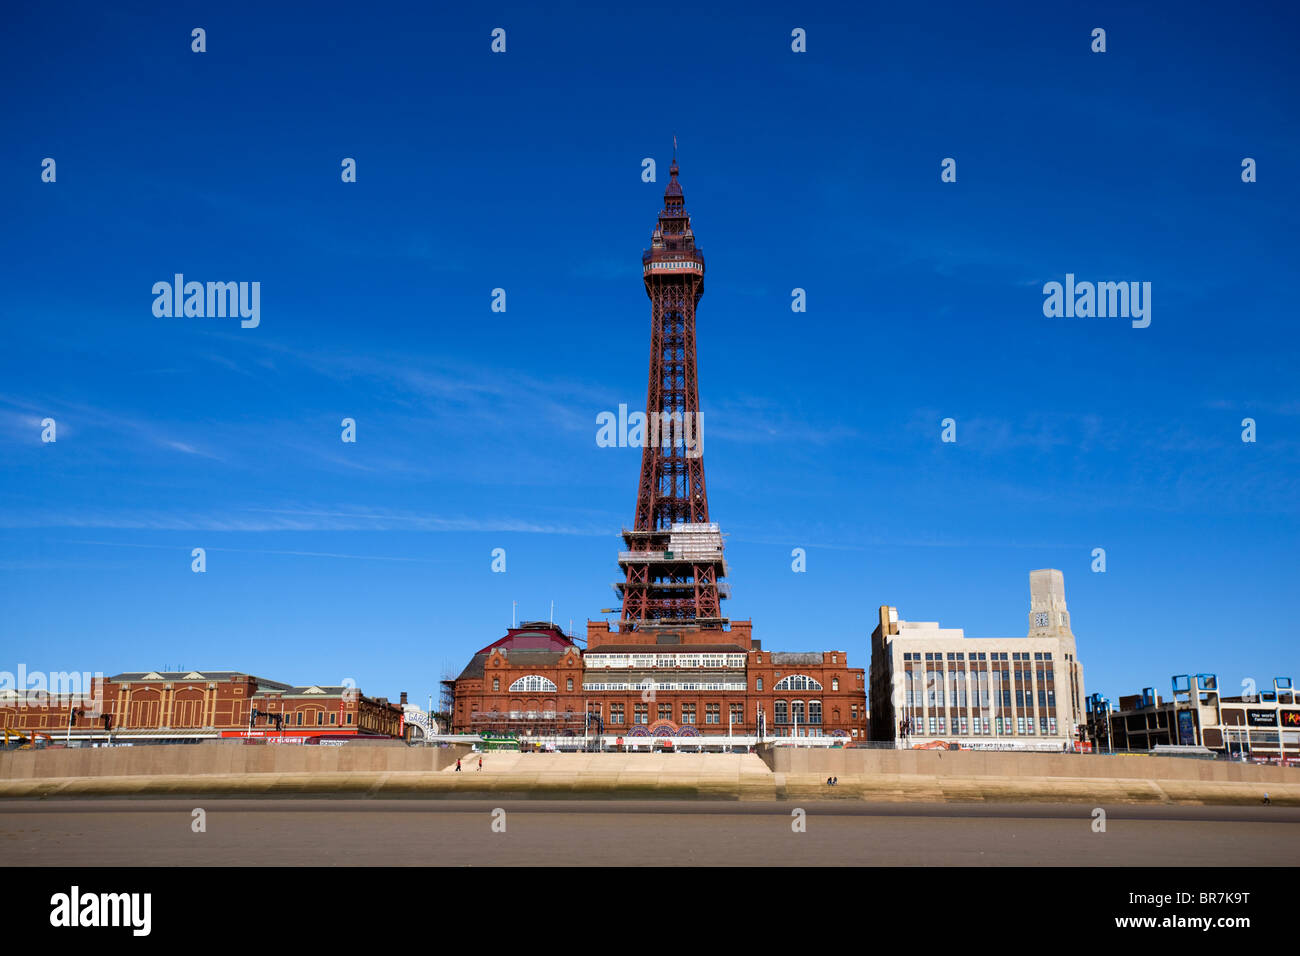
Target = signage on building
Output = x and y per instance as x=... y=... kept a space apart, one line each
x=1003 y=744
x=1186 y=728
x=296 y=736
x=1291 y=718
x=1261 y=718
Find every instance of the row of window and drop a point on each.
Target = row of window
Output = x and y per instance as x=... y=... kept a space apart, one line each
x=797 y=682
x=784 y=712
x=939 y=690
x=664 y=685
x=936 y=697
x=980 y=726
x=150 y=718
x=320 y=719
x=793 y=712
x=689 y=714
x=536 y=683
x=936 y=678
x=975 y=656
x=940 y=701
x=664 y=660
x=533 y=683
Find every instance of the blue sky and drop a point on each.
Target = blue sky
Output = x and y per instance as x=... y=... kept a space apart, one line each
x=476 y=430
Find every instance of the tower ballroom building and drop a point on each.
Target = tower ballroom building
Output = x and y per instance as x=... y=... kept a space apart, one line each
x=673 y=666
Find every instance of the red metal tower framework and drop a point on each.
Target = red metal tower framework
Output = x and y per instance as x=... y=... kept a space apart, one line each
x=673 y=565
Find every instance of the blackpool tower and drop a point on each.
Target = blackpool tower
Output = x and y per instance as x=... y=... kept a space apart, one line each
x=673 y=568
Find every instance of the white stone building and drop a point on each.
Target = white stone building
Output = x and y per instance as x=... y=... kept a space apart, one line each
x=932 y=685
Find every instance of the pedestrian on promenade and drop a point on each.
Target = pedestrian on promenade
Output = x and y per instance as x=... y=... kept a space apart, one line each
x=480 y=763
x=458 y=765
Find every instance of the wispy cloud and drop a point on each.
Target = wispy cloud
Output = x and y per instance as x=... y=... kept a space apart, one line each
x=1254 y=405
x=301 y=554
x=751 y=419
x=24 y=416
x=291 y=519
x=187 y=449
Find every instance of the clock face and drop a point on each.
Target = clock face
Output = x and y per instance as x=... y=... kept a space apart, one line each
x=1041 y=619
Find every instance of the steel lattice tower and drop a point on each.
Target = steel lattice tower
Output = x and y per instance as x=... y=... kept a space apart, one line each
x=673 y=568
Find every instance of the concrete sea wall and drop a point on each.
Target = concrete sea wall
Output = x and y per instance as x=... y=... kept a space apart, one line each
x=773 y=774
x=1007 y=764
x=224 y=759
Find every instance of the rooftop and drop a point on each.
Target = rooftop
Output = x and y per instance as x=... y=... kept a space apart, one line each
x=522 y=658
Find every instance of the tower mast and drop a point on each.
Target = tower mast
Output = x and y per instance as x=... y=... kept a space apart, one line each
x=673 y=566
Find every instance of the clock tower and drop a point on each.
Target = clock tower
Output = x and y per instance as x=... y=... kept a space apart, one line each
x=1048 y=616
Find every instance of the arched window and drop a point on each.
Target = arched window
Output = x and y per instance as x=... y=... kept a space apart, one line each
x=780 y=712
x=797 y=682
x=835 y=683
x=796 y=711
x=814 y=711
x=533 y=683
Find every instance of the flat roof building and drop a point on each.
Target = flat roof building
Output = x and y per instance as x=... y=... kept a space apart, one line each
x=185 y=706
x=1261 y=725
x=932 y=685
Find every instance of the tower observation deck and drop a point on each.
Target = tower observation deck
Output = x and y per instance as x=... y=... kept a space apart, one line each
x=673 y=567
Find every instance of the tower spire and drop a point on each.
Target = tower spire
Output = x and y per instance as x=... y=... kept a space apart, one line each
x=673 y=218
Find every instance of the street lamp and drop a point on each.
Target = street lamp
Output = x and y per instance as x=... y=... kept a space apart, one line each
x=73 y=714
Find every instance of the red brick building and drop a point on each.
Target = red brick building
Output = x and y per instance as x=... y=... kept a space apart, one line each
x=194 y=705
x=669 y=682
x=676 y=666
